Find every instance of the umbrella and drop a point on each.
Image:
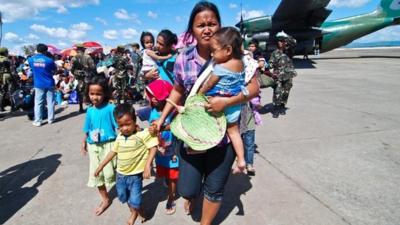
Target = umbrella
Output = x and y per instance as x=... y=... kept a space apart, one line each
x=68 y=52
x=53 y=50
x=92 y=47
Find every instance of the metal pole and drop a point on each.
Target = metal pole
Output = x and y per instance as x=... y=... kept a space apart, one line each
x=1 y=27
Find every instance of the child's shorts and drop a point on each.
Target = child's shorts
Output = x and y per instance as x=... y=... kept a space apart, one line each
x=232 y=113
x=97 y=153
x=169 y=173
x=129 y=189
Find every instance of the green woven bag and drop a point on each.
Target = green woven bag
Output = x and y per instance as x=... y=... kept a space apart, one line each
x=199 y=129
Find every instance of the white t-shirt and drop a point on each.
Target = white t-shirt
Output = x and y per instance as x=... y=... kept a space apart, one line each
x=148 y=62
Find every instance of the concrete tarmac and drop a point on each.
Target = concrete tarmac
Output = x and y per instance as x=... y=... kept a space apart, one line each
x=333 y=159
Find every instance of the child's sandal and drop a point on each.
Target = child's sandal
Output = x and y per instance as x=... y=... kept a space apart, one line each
x=170 y=208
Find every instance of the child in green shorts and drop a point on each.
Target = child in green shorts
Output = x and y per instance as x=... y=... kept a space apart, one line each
x=100 y=132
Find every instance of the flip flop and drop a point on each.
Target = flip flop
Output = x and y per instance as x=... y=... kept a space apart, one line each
x=170 y=208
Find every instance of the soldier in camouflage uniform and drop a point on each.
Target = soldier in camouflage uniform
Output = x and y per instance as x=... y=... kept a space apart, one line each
x=82 y=68
x=5 y=76
x=121 y=77
x=282 y=72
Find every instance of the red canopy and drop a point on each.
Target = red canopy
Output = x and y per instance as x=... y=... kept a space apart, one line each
x=68 y=52
x=92 y=47
x=53 y=50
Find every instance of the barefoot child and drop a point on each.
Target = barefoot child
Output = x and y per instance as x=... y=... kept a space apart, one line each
x=166 y=160
x=227 y=80
x=100 y=132
x=135 y=152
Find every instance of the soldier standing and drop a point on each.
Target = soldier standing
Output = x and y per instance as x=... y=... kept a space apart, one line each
x=82 y=68
x=282 y=72
x=121 y=77
x=5 y=76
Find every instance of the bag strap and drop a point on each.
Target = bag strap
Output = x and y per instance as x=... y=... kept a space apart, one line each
x=202 y=76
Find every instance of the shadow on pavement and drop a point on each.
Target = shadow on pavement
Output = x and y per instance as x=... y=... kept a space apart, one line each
x=16 y=189
x=238 y=185
x=303 y=63
x=267 y=108
x=153 y=194
x=28 y=113
x=69 y=115
x=359 y=57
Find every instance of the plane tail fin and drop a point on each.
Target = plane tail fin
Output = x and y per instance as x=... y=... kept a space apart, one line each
x=390 y=8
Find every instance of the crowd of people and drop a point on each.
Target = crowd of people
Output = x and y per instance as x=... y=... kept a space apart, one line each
x=161 y=77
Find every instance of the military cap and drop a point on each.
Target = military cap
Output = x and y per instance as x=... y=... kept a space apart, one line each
x=79 y=46
x=3 y=51
x=120 y=48
x=281 y=35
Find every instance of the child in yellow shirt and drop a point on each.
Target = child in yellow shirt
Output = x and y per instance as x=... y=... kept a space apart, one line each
x=136 y=151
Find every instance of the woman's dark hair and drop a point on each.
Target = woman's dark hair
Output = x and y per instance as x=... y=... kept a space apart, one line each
x=254 y=42
x=124 y=109
x=198 y=8
x=230 y=36
x=101 y=80
x=145 y=34
x=169 y=37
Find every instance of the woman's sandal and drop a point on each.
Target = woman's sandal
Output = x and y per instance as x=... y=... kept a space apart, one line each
x=170 y=208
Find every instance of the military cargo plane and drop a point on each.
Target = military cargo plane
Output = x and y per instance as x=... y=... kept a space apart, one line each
x=305 y=21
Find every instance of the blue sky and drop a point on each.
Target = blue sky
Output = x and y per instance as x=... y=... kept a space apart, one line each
x=112 y=22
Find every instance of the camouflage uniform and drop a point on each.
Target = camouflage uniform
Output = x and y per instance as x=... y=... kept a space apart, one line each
x=283 y=72
x=121 y=77
x=138 y=85
x=82 y=68
x=5 y=76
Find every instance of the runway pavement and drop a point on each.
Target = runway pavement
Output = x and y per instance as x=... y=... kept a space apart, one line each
x=333 y=159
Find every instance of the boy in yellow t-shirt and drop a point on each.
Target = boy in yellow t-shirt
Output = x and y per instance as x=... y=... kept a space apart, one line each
x=136 y=151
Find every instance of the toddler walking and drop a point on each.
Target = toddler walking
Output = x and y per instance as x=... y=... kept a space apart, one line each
x=166 y=159
x=135 y=152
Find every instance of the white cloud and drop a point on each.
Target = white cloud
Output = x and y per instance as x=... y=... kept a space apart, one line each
x=57 y=32
x=33 y=37
x=232 y=6
x=153 y=31
x=129 y=33
x=122 y=14
x=62 y=10
x=62 y=44
x=152 y=14
x=76 y=31
x=386 y=34
x=12 y=37
x=110 y=34
x=178 y=19
x=348 y=3
x=15 y=10
x=102 y=21
x=81 y=26
x=250 y=14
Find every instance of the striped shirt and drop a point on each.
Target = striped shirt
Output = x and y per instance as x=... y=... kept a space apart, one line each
x=187 y=67
x=133 y=151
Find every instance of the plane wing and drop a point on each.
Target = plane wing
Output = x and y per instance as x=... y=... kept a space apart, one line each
x=300 y=15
